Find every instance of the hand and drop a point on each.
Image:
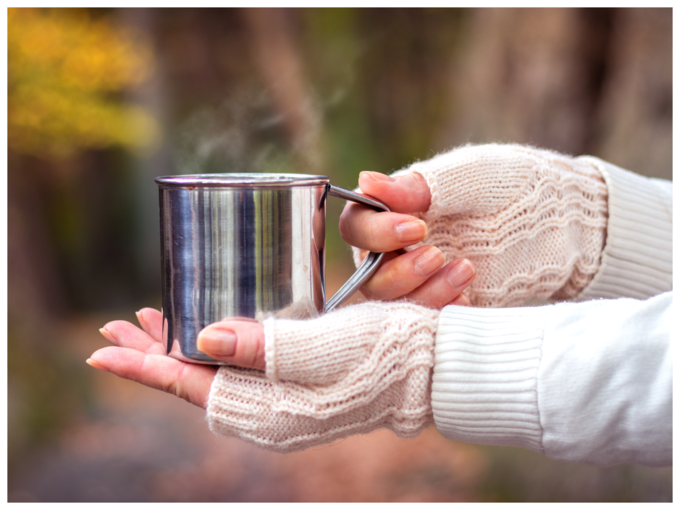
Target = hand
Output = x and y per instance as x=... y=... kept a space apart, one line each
x=533 y=223
x=345 y=372
x=305 y=351
x=417 y=275
x=139 y=355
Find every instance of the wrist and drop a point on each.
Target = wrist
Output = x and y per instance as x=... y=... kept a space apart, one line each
x=637 y=256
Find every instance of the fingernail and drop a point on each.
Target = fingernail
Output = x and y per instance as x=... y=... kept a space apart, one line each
x=140 y=318
x=96 y=364
x=377 y=176
x=217 y=341
x=411 y=231
x=460 y=273
x=107 y=334
x=428 y=261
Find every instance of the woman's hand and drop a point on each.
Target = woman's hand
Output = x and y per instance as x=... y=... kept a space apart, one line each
x=533 y=222
x=417 y=275
x=139 y=354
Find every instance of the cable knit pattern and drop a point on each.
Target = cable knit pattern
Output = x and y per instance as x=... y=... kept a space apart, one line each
x=347 y=372
x=532 y=221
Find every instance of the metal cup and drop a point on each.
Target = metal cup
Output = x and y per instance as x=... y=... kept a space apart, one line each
x=245 y=245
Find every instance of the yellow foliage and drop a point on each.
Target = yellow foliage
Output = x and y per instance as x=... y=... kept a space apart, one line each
x=66 y=72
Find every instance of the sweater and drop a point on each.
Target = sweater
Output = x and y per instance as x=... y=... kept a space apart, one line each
x=588 y=381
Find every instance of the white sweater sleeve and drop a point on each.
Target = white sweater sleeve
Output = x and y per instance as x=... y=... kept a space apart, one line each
x=588 y=382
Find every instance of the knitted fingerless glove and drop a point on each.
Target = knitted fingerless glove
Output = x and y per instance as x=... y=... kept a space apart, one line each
x=347 y=372
x=532 y=221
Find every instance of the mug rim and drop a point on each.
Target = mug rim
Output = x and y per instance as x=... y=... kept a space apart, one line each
x=239 y=180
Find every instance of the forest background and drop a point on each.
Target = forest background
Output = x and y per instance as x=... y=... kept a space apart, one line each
x=101 y=101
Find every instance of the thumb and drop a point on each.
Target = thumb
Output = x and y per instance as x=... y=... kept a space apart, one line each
x=236 y=341
x=313 y=351
x=407 y=193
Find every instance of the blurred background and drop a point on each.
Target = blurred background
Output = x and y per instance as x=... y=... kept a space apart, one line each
x=101 y=101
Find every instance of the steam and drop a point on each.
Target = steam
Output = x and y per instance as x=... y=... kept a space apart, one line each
x=224 y=139
x=245 y=134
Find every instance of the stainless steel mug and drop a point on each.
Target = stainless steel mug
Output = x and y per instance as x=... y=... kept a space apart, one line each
x=245 y=245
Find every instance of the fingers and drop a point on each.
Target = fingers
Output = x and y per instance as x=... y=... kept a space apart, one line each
x=407 y=193
x=151 y=321
x=234 y=341
x=418 y=275
x=185 y=380
x=399 y=275
x=446 y=286
x=240 y=341
x=124 y=334
x=368 y=229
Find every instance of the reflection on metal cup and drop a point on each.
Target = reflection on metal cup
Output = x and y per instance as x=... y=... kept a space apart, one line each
x=245 y=245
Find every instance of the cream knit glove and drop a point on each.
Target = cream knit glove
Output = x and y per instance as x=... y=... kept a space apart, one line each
x=347 y=372
x=532 y=221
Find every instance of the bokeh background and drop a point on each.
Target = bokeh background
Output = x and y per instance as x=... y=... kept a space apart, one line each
x=101 y=101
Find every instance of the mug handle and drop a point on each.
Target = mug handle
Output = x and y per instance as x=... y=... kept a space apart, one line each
x=371 y=262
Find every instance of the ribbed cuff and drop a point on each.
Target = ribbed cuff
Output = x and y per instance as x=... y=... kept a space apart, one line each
x=484 y=383
x=637 y=260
